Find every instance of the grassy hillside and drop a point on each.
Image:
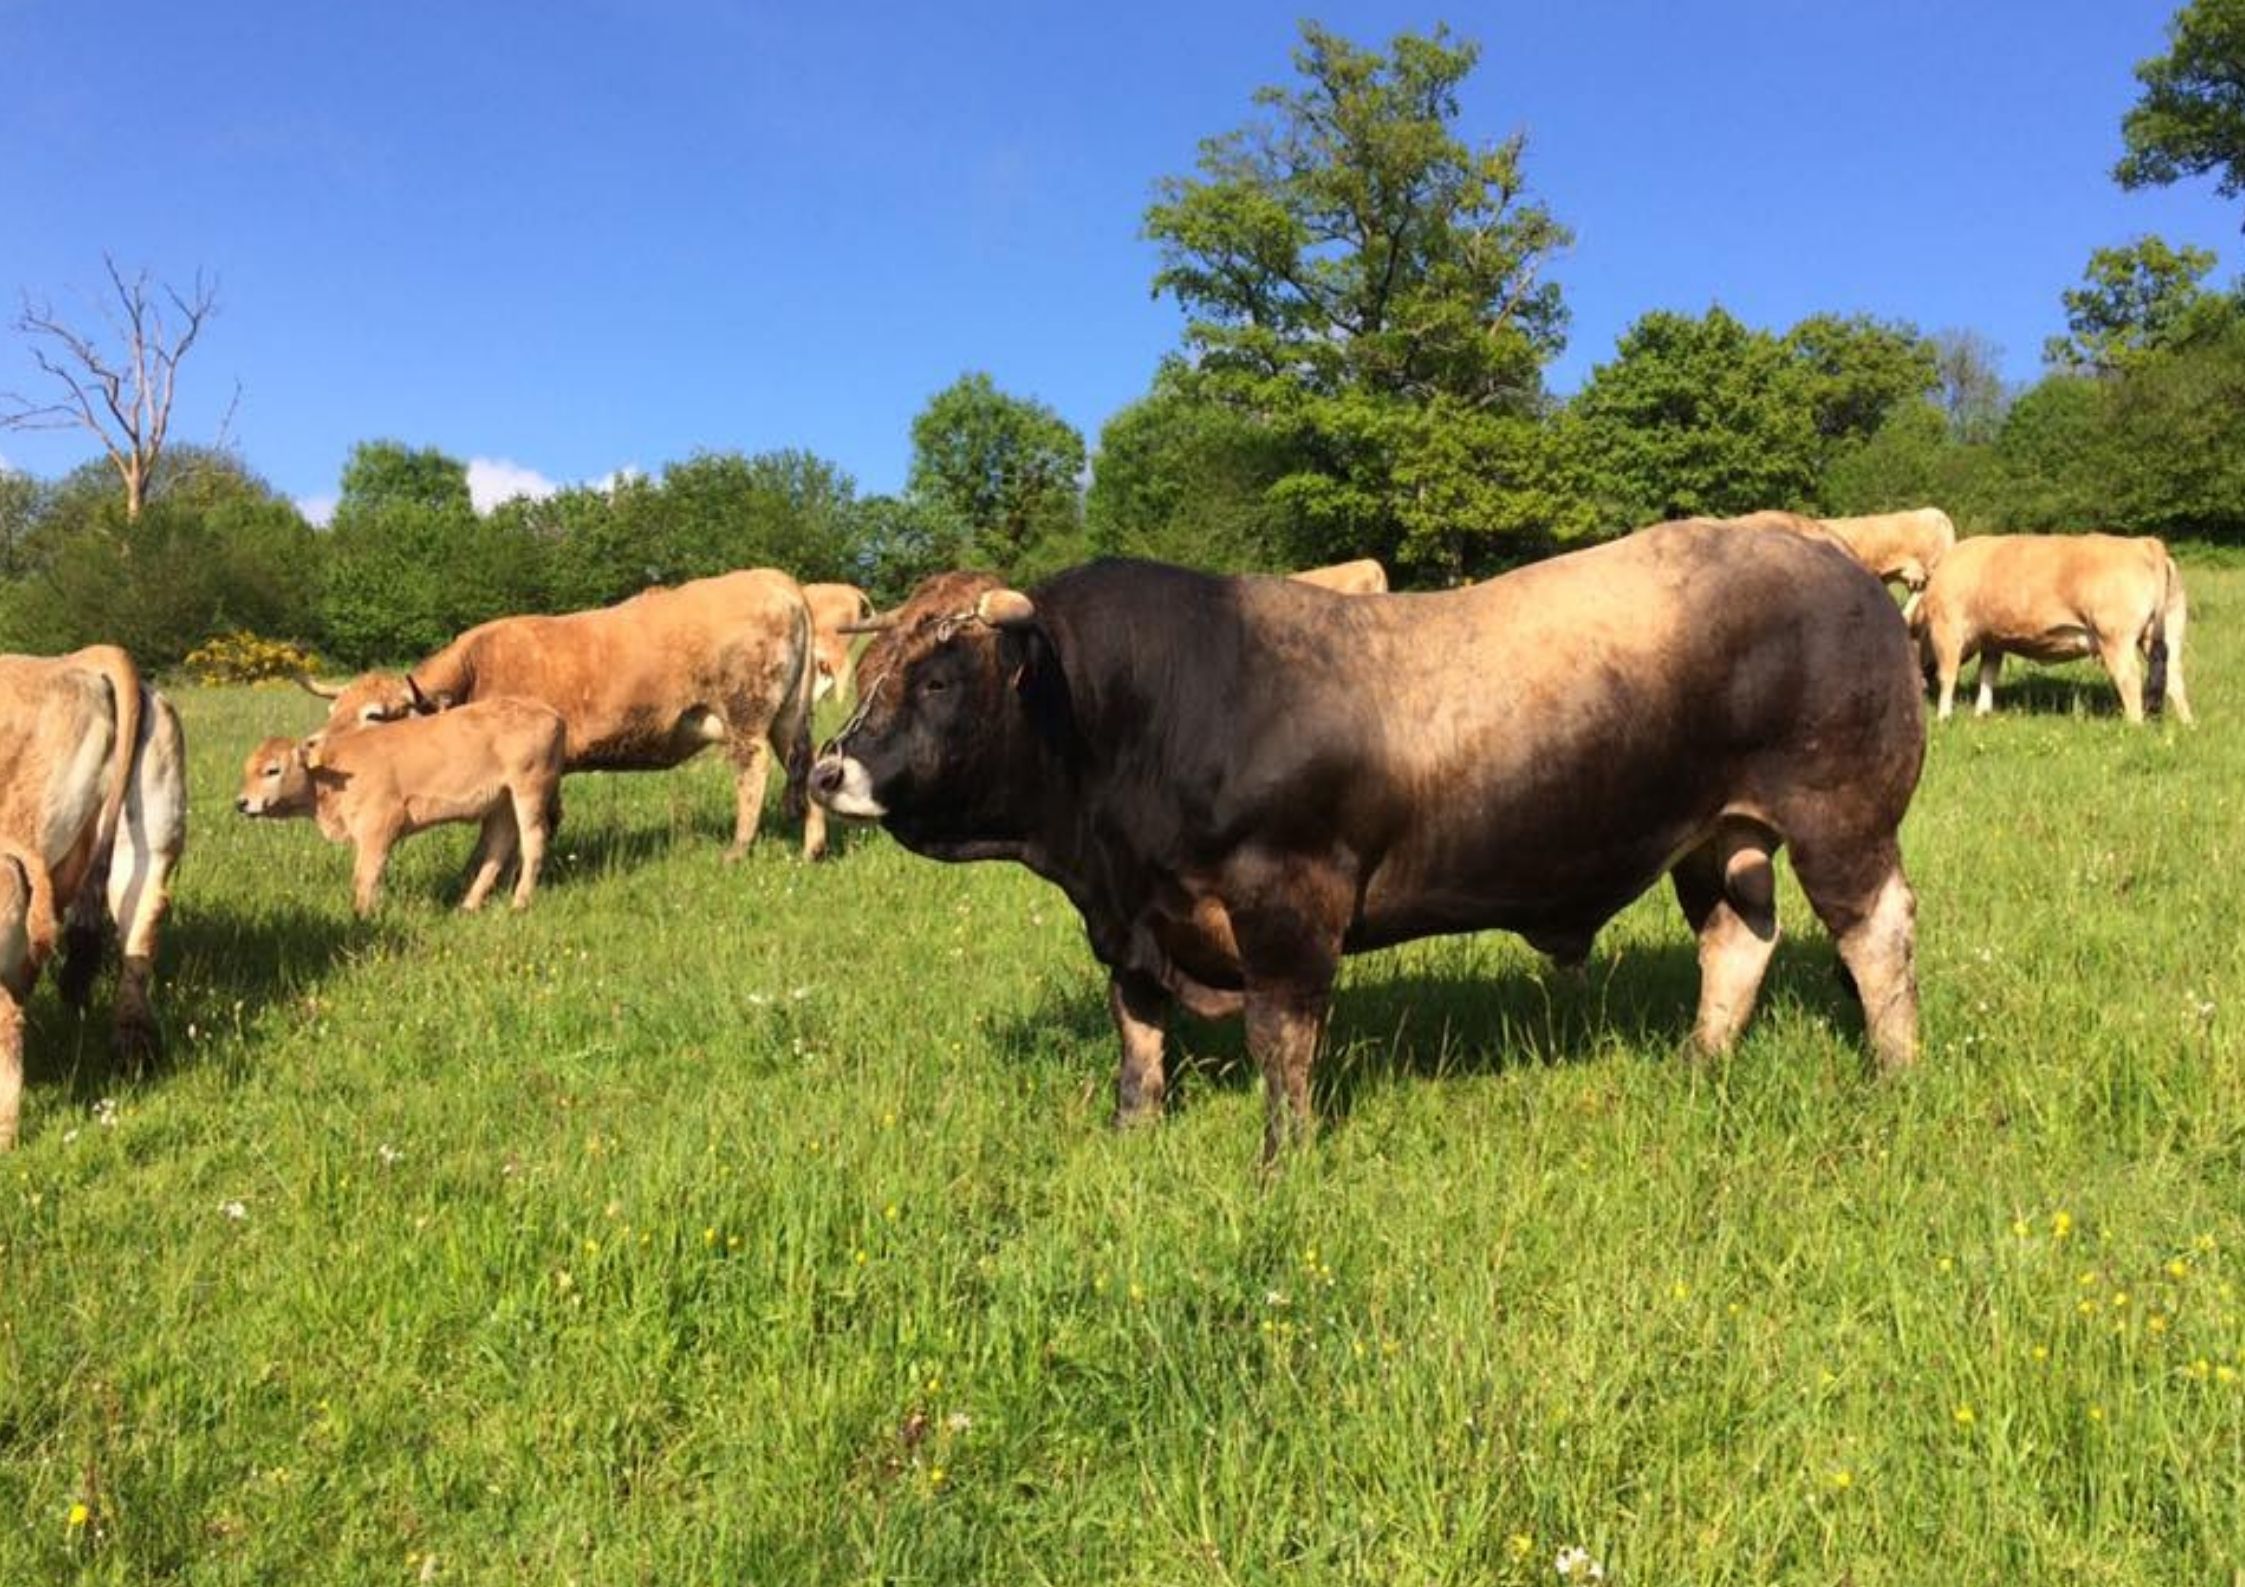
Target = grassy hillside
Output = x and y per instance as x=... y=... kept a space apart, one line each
x=762 y=1224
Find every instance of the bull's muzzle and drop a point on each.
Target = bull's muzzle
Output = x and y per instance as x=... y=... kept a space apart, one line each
x=841 y=784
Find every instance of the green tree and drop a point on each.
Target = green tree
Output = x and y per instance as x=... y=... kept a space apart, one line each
x=2135 y=299
x=1369 y=291
x=1007 y=468
x=2050 y=457
x=1858 y=370
x=1971 y=390
x=1697 y=416
x=2190 y=120
x=409 y=563
x=896 y=541
x=1185 y=479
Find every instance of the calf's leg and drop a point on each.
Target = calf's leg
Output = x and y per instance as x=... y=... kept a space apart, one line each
x=529 y=820
x=492 y=851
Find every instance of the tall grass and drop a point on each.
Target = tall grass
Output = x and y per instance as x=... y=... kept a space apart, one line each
x=761 y=1223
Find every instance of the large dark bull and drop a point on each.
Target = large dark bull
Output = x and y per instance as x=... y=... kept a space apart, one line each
x=1239 y=780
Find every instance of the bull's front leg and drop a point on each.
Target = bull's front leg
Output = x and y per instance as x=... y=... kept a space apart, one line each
x=1288 y=914
x=1140 y=1008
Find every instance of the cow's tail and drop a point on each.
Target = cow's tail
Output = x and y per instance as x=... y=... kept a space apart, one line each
x=794 y=722
x=124 y=686
x=2169 y=615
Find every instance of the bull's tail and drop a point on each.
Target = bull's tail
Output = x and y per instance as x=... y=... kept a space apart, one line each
x=791 y=728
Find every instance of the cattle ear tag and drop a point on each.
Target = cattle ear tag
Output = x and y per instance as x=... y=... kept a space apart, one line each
x=1005 y=609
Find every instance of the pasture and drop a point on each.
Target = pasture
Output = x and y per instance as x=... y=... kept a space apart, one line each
x=762 y=1224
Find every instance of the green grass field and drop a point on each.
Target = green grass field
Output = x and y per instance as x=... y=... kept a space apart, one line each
x=762 y=1224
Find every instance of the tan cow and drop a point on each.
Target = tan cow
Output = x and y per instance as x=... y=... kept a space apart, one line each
x=1898 y=546
x=2056 y=598
x=643 y=685
x=832 y=606
x=1364 y=576
x=93 y=816
x=497 y=762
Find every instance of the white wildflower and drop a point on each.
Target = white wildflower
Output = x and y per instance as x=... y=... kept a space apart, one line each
x=389 y=1154
x=958 y=1421
x=1574 y=1564
x=233 y=1209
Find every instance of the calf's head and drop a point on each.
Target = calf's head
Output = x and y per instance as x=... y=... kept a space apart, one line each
x=276 y=780
x=949 y=744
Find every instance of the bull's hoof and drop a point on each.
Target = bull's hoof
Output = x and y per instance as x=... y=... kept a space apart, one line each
x=1137 y=1115
x=736 y=853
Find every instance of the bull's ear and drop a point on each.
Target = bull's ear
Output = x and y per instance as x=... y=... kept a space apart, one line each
x=1002 y=608
x=308 y=753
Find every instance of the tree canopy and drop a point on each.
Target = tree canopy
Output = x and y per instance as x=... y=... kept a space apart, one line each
x=2190 y=119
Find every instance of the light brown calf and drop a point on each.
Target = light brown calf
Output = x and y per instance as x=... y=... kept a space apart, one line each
x=496 y=761
x=2057 y=598
x=1364 y=576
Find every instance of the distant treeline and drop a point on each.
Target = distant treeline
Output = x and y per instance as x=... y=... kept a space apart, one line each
x=1698 y=415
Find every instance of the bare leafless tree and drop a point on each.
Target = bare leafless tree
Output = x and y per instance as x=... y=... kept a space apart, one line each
x=123 y=394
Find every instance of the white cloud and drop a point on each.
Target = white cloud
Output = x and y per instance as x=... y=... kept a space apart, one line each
x=492 y=480
x=608 y=482
x=318 y=510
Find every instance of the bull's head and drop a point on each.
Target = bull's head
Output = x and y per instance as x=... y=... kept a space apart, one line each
x=943 y=748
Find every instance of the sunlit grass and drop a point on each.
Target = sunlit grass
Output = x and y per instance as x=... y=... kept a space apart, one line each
x=761 y=1223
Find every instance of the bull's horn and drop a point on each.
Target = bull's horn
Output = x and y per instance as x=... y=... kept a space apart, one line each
x=1005 y=609
x=312 y=685
x=871 y=625
x=422 y=704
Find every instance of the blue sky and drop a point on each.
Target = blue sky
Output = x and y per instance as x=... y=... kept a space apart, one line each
x=567 y=238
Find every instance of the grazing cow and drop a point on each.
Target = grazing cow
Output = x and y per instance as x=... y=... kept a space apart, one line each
x=642 y=685
x=2056 y=598
x=832 y=607
x=1898 y=546
x=1238 y=781
x=1364 y=576
x=498 y=762
x=93 y=817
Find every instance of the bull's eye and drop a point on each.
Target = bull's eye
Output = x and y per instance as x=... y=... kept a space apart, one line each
x=934 y=685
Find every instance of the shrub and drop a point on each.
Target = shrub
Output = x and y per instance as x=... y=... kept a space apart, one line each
x=242 y=657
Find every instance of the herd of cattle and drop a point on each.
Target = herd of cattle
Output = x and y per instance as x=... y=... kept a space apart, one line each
x=1236 y=780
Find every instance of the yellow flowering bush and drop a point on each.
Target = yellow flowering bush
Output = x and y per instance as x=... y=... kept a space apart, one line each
x=244 y=657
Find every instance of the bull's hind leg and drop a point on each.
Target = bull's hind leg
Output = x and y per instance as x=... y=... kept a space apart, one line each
x=1728 y=890
x=1861 y=895
x=494 y=847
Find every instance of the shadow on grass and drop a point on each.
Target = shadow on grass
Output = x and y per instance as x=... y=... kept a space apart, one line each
x=1401 y=1019
x=215 y=972
x=609 y=843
